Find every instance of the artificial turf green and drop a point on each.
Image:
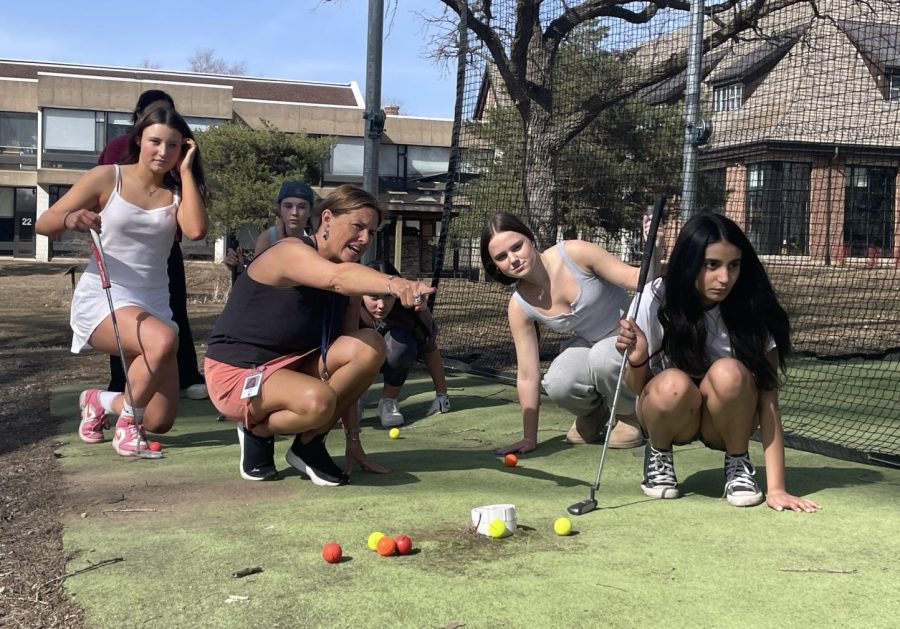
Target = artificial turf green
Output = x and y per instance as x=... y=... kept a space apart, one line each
x=636 y=562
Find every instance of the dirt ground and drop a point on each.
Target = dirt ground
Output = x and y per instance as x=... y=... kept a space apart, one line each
x=34 y=357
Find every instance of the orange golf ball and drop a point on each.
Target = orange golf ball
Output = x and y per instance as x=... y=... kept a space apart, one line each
x=510 y=460
x=386 y=546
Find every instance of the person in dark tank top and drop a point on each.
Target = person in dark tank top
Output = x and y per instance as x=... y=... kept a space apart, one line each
x=287 y=356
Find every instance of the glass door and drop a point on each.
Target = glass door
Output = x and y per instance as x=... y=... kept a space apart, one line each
x=24 y=216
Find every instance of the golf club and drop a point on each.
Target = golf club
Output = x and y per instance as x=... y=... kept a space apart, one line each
x=589 y=504
x=97 y=249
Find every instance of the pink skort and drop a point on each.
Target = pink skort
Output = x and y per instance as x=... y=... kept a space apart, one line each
x=225 y=382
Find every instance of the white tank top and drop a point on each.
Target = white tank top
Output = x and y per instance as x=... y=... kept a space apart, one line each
x=136 y=242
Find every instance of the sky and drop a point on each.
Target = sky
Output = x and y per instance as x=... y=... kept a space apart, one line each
x=304 y=40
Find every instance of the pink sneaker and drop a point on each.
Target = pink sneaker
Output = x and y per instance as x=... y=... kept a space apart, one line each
x=128 y=440
x=93 y=417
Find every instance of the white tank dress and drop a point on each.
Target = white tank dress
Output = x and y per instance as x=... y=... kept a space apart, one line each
x=136 y=245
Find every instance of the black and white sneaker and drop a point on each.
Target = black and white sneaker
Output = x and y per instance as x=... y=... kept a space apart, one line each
x=741 y=489
x=659 y=473
x=257 y=456
x=313 y=460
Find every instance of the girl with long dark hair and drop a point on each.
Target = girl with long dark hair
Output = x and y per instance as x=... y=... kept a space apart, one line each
x=704 y=354
x=136 y=208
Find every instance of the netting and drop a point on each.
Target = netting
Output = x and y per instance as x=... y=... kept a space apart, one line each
x=576 y=124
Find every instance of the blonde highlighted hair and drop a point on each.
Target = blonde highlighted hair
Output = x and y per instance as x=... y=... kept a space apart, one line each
x=347 y=198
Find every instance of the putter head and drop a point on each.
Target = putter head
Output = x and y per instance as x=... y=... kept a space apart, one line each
x=147 y=454
x=585 y=506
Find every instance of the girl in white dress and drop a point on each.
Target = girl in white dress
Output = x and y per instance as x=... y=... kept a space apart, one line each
x=135 y=208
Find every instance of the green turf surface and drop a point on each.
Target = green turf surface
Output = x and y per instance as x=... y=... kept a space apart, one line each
x=187 y=522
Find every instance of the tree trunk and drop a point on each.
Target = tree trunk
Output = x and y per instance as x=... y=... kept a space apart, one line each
x=539 y=180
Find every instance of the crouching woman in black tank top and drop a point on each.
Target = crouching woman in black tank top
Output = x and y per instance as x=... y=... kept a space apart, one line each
x=287 y=356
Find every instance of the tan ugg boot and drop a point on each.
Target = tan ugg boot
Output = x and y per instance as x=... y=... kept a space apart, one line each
x=626 y=433
x=588 y=428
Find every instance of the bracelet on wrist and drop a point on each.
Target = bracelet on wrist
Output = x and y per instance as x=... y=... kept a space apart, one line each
x=388 y=286
x=639 y=365
x=66 y=217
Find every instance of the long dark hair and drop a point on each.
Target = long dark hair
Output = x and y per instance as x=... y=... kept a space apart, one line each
x=501 y=222
x=165 y=115
x=751 y=311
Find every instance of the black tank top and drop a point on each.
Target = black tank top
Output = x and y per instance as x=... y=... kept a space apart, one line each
x=262 y=322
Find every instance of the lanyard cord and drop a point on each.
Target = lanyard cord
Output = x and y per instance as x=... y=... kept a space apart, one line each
x=326 y=337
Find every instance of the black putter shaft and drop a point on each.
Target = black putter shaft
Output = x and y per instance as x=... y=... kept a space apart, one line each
x=586 y=506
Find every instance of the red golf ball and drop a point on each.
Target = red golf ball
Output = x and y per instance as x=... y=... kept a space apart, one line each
x=155 y=446
x=332 y=552
x=403 y=544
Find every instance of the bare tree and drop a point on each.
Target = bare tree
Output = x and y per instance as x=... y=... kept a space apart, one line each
x=205 y=60
x=149 y=65
x=526 y=58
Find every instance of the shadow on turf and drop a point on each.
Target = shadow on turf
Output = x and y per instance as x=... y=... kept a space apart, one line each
x=801 y=481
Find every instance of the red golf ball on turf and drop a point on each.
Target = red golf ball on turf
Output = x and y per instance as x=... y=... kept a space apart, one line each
x=403 y=544
x=386 y=546
x=332 y=552
x=510 y=460
x=155 y=446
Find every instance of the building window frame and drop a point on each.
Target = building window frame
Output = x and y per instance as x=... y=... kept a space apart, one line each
x=777 y=202
x=15 y=138
x=893 y=85
x=869 y=197
x=728 y=97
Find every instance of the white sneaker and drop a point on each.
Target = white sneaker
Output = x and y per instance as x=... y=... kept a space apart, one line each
x=196 y=392
x=389 y=413
x=441 y=404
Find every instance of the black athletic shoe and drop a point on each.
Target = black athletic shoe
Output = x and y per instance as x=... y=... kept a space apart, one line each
x=257 y=456
x=313 y=460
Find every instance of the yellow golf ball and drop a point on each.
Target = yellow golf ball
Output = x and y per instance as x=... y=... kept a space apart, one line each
x=496 y=529
x=394 y=433
x=373 y=539
x=562 y=526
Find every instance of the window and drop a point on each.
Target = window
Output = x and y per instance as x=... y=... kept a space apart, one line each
x=869 y=211
x=202 y=124
x=71 y=130
x=728 y=97
x=18 y=133
x=116 y=124
x=711 y=192
x=70 y=244
x=893 y=86
x=778 y=207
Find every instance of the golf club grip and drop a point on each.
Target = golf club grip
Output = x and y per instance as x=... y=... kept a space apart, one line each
x=655 y=220
x=97 y=249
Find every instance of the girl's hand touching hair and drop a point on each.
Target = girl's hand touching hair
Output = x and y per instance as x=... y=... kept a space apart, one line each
x=187 y=161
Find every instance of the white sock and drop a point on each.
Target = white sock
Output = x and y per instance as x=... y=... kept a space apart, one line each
x=106 y=399
x=130 y=411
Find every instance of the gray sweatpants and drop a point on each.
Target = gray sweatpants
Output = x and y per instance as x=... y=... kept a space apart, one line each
x=583 y=377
